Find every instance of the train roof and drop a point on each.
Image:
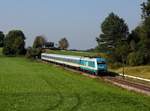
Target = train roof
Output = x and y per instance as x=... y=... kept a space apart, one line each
x=59 y=55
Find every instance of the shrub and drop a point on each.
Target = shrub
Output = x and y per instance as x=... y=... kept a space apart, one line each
x=33 y=53
x=135 y=58
x=115 y=65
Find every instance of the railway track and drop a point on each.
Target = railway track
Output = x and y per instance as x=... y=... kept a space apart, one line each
x=116 y=80
x=120 y=81
x=130 y=85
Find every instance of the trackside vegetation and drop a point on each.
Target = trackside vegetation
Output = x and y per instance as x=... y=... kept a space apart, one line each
x=139 y=71
x=130 y=48
x=78 y=53
x=32 y=86
x=1 y=51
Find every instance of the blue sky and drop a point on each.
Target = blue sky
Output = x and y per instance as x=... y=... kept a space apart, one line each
x=77 y=20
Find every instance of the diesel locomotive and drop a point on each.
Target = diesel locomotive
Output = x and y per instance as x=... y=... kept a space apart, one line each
x=96 y=65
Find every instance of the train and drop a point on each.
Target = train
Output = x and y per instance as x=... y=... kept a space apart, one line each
x=94 y=65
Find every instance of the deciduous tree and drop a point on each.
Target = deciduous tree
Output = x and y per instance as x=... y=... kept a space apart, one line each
x=39 y=42
x=63 y=43
x=14 y=43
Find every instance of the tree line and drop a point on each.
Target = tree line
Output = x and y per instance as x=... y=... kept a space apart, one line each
x=13 y=44
x=132 y=48
x=124 y=46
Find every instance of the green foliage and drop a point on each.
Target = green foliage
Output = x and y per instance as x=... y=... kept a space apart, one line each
x=135 y=36
x=14 y=43
x=146 y=9
x=115 y=65
x=139 y=39
x=63 y=43
x=33 y=86
x=121 y=51
x=112 y=39
x=114 y=29
x=146 y=19
x=2 y=36
x=33 y=53
x=144 y=43
x=39 y=42
x=135 y=58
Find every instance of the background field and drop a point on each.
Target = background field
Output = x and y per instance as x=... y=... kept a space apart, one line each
x=139 y=71
x=77 y=53
x=31 y=86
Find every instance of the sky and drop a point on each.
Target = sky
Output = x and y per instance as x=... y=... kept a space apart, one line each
x=77 y=20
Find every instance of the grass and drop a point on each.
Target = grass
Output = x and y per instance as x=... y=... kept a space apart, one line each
x=31 y=86
x=77 y=53
x=1 y=51
x=139 y=71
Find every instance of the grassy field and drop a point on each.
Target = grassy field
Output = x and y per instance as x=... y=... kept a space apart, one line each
x=139 y=71
x=76 y=53
x=31 y=86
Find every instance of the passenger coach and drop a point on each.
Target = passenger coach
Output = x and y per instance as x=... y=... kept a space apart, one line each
x=93 y=65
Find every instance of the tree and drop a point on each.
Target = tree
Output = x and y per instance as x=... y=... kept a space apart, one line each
x=134 y=38
x=135 y=58
x=146 y=9
x=114 y=32
x=35 y=51
x=121 y=51
x=14 y=43
x=1 y=39
x=113 y=29
x=139 y=39
x=63 y=43
x=39 y=42
x=145 y=40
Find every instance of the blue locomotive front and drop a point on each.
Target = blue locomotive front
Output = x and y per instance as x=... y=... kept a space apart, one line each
x=101 y=65
x=94 y=65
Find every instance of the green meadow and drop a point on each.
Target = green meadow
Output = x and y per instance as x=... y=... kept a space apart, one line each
x=77 y=53
x=27 y=85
